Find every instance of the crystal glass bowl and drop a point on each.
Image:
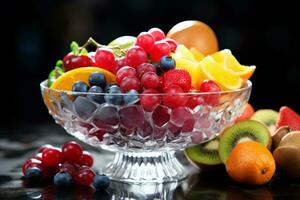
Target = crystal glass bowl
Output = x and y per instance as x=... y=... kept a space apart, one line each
x=145 y=141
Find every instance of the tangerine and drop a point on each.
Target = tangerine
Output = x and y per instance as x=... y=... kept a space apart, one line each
x=250 y=162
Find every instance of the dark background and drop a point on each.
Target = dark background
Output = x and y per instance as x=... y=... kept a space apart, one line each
x=258 y=33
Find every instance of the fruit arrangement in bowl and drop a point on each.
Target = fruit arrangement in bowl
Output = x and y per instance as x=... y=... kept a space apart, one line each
x=144 y=98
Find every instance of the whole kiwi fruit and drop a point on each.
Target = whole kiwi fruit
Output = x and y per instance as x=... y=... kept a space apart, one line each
x=287 y=155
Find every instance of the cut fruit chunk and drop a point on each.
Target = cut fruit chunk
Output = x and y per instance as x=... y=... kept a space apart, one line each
x=206 y=153
x=266 y=116
x=288 y=117
x=66 y=80
x=214 y=71
x=197 y=54
x=226 y=58
x=248 y=130
x=184 y=52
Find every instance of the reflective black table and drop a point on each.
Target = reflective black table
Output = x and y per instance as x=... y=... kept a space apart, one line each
x=17 y=146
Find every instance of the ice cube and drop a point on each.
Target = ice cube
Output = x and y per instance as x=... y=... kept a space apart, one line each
x=146 y=129
x=188 y=125
x=160 y=115
x=158 y=132
x=66 y=102
x=180 y=115
x=106 y=117
x=84 y=107
x=132 y=116
x=173 y=129
x=198 y=137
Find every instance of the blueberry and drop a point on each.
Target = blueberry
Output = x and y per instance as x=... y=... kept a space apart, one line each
x=97 y=79
x=112 y=96
x=62 y=179
x=107 y=87
x=80 y=86
x=98 y=98
x=131 y=97
x=166 y=63
x=33 y=173
x=101 y=182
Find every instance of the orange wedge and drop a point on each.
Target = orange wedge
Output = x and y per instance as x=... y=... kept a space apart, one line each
x=66 y=80
x=212 y=70
x=226 y=58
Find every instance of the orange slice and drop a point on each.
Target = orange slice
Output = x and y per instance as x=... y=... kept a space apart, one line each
x=66 y=80
x=214 y=71
x=226 y=58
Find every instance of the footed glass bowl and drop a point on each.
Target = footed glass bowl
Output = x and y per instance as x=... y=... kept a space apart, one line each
x=145 y=141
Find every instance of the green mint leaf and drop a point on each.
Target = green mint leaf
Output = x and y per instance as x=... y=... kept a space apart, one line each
x=74 y=48
x=84 y=52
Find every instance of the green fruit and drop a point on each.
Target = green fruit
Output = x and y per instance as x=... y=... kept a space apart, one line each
x=206 y=153
x=54 y=74
x=124 y=42
x=266 y=116
x=248 y=130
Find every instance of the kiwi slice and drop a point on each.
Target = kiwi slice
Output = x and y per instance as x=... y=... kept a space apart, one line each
x=206 y=153
x=248 y=130
x=266 y=116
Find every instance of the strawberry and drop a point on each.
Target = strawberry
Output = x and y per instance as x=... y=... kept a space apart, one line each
x=179 y=77
x=288 y=117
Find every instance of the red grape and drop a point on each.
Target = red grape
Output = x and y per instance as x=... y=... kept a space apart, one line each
x=150 y=80
x=125 y=72
x=120 y=62
x=172 y=43
x=145 y=40
x=160 y=49
x=87 y=159
x=105 y=58
x=129 y=83
x=145 y=67
x=52 y=157
x=210 y=86
x=84 y=176
x=72 y=61
x=171 y=97
x=149 y=102
x=136 y=56
x=157 y=34
x=195 y=101
x=72 y=152
x=67 y=167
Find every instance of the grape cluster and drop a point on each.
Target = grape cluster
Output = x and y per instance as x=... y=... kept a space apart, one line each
x=66 y=166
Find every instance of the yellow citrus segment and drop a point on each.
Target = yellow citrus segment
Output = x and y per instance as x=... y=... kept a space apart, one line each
x=66 y=80
x=226 y=58
x=214 y=71
x=183 y=52
x=197 y=54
